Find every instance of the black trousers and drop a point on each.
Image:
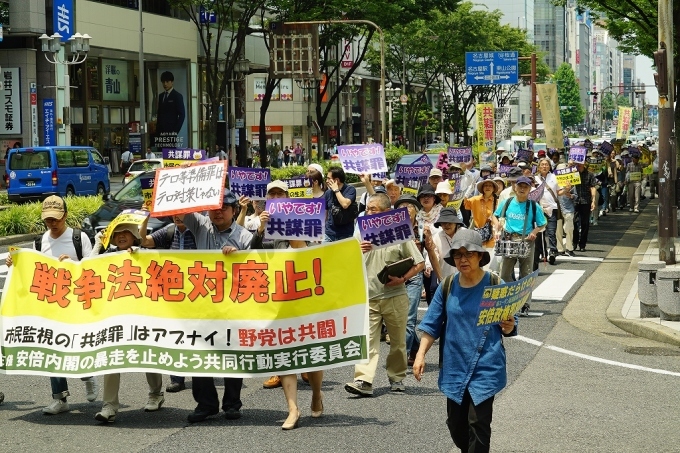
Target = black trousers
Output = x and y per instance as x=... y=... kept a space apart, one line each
x=581 y=237
x=430 y=284
x=470 y=425
x=205 y=393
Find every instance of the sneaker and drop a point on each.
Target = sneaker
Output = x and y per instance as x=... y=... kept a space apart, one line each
x=387 y=338
x=397 y=386
x=360 y=388
x=155 y=402
x=106 y=415
x=594 y=223
x=272 y=383
x=630 y=210
x=571 y=253
x=91 y=389
x=525 y=310
x=551 y=258
x=175 y=387
x=636 y=211
x=57 y=407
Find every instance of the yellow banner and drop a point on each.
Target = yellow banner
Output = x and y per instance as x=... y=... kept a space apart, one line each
x=486 y=127
x=550 y=111
x=236 y=312
x=623 y=127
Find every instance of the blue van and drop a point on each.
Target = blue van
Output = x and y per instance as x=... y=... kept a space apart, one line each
x=36 y=173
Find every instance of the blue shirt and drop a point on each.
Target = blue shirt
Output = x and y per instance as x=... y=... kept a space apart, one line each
x=516 y=213
x=473 y=357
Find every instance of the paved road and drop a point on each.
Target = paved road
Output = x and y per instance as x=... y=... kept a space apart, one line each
x=569 y=388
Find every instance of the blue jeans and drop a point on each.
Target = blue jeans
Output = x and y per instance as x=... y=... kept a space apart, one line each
x=60 y=387
x=414 y=288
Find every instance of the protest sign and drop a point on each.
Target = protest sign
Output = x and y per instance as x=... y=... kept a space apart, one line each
x=180 y=190
x=186 y=313
x=487 y=158
x=134 y=216
x=249 y=182
x=368 y=158
x=175 y=157
x=503 y=301
x=459 y=154
x=504 y=170
x=147 y=182
x=606 y=147
x=300 y=187
x=569 y=175
x=386 y=228
x=648 y=170
x=405 y=173
x=578 y=154
x=296 y=219
x=537 y=193
x=409 y=191
x=422 y=160
x=595 y=165
x=454 y=182
x=525 y=155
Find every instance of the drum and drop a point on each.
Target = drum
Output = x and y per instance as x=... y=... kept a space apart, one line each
x=512 y=249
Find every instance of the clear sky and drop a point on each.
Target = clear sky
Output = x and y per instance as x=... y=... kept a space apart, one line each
x=645 y=72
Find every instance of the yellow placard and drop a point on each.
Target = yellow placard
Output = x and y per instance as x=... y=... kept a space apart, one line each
x=647 y=170
x=409 y=191
x=573 y=178
x=635 y=176
x=454 y=204
x=300 y=192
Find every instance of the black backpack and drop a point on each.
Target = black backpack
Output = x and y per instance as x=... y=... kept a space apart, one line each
x=77 y=243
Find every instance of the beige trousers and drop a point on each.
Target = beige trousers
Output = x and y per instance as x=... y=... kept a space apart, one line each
x=112 y=385
x=394 y=311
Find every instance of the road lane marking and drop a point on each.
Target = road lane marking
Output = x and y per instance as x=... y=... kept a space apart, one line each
x=557 y=285
x=540 y=344
x=579 y=258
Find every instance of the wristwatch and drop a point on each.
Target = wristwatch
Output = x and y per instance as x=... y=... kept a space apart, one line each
x=336 y=191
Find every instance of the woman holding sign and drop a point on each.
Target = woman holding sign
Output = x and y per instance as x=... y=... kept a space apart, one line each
x=472 y=357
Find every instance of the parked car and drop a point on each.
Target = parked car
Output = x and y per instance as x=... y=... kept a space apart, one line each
x=439 y=146
x=131 y=196
x=140 y=166
x=36 y=173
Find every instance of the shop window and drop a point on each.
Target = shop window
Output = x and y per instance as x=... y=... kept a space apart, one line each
x=93 y=80
x=160 y=7
x=76 y=115
x=93 y=115
x=116 y=115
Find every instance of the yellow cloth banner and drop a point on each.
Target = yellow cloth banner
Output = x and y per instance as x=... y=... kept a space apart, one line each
x=623 y=126
x=550 y=111
x=188 y=313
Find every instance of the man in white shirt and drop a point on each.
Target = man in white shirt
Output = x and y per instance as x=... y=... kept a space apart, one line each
x=58 y=242
x=125 y=162
x=149 y=153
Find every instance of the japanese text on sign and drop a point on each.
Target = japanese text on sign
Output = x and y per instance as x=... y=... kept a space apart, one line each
x=501 y=302
x=386 y=228
x=369 y=158
x=249 y=182
x=296 y=219
x=460 y=154
x=578 y=154
x=568 y=175
x=180 y=190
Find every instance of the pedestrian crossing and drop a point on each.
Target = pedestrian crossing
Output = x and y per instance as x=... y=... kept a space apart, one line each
x=557 y=285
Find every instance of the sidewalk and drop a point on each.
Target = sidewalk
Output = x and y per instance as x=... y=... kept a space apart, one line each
x=624 y=309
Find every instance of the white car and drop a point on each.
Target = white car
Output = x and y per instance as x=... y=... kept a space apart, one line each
x=140 y=166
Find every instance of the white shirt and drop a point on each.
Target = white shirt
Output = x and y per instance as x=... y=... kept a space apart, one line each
x=127 y=156
x=63 y=245
x=150 y=155
x=442 y=242
x=548 y=202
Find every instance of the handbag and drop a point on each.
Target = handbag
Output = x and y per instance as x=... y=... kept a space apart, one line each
x=485 y=231
x=344 y=216
x=396 y=269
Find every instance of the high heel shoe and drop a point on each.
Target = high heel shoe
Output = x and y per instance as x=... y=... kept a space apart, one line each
x=319 y=413
x=287 y=425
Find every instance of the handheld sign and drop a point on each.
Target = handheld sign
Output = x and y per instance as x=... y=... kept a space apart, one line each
x=459 y=154
x=526 y=155
x=180 y=190
x=368 y=158
x=386 y=228
x=501 y=302
x=175 y=157
x=296 y=219
x=578 y=154
x=249 y=182
x=569 y=175
x=300 y=187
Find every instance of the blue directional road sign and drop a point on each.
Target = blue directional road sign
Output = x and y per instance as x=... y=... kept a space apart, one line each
x=206 y=16
x=491 y=68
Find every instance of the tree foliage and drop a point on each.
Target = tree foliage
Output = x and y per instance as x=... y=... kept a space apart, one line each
x=568 y=94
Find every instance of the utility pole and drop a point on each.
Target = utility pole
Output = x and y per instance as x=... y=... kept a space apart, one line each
x=142 y=80
x=664 y=78
x=532 y=77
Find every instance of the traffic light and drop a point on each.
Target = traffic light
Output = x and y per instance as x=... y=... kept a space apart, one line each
x=661 y=75
x=595 y=97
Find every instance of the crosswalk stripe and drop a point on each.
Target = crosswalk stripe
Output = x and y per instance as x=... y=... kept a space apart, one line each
x=557 y=285
x=579 y=258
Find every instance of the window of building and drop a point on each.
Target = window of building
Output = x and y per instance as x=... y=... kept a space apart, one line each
x=160 y=7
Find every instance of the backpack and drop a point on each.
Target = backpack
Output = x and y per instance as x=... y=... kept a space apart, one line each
x=77 y=243
x=446 y=292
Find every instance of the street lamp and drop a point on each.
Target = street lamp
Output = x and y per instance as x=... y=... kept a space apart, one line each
x=79 y=46
x=352 y=87
x=391 y=95
x=309 y=85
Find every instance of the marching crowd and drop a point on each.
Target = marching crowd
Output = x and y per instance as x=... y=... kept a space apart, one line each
x=464 y=240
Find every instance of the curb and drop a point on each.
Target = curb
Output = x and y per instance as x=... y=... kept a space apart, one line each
x=10 y=240
x=628 y=289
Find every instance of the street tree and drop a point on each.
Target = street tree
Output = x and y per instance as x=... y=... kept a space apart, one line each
x=572 y=111
x=224 y=38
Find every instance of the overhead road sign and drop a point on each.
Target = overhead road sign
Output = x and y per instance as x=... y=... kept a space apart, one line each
x=491 y=68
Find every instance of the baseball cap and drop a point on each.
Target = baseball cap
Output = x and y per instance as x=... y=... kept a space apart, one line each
x=277 y=184
x=443 y=187
x=435 y=172
x=53 y=207
x=525 y=180
x=541 y=152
